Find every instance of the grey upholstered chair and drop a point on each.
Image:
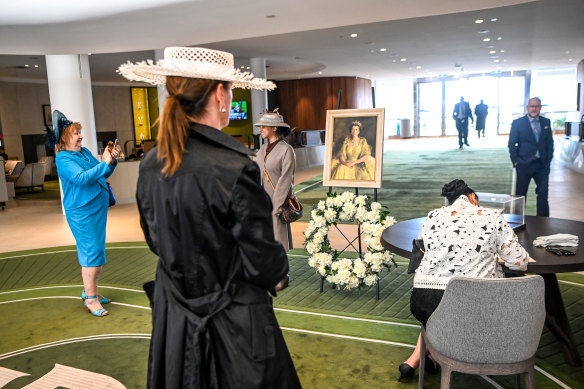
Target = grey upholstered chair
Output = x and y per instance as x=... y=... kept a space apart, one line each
x=486 y=326
x=48 y=161
x=32 y=176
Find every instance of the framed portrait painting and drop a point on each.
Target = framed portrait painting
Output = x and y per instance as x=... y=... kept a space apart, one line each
x=353 y=154
x=47 y=115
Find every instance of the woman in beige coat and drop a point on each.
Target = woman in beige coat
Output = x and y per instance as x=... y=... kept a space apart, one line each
x=277 y=163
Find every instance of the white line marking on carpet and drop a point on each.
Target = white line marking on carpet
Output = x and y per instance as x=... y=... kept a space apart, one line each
x=347 y=317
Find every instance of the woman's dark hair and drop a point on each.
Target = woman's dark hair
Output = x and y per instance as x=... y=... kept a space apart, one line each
x=282 y=132
x=188 y=98
x=454 y=189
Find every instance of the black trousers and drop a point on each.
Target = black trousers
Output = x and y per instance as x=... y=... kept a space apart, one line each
x=423 y=302
x=462 y=128
x=540 y=174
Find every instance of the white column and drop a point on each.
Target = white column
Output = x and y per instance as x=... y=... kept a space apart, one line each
x=70 y=92
x=259 y=99
x=162 y=93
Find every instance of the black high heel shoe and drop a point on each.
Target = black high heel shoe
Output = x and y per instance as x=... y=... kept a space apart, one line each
x=405 y=371
x=430 y=365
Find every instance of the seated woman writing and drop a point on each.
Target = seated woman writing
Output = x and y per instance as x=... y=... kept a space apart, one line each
x=354 y=160
x=461 y=239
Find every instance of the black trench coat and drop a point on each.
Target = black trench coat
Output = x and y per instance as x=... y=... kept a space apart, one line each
x=213 y=325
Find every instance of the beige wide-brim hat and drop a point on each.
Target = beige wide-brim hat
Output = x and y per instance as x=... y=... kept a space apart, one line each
x=193 y=62
x=271 y=119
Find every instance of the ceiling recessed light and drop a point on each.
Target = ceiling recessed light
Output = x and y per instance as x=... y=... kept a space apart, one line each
x=367 y=75
x=36 y=66
x=319 y=72
x=486 y=39
x=247 y=67
x=492 y=51
x=25 y=65
x=354 y=35
x=88 y=53
x=501 y=51
x=383 y=49
x=570 y=59
x=483 y=31
x=494 y=19
x=496 y=61
x=270 y=16
x=499 y=38
x=242 y=66
x=479 y=21
x=403 y=60
x=418 y=67
x=393 y=60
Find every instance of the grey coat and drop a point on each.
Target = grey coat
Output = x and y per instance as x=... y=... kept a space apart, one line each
x=280 y=166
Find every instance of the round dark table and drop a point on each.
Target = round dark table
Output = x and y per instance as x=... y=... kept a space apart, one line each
x=398 y=239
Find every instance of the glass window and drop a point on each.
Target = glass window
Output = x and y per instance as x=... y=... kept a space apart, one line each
x=430 y=97
x=397 y=97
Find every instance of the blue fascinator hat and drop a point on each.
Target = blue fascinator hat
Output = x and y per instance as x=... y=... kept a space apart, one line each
x=60 y=122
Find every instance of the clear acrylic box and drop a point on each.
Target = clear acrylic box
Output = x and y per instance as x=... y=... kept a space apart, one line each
x=512 y=207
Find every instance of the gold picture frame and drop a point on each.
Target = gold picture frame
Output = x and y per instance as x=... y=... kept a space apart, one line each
x=47 y=115
x=354 y=160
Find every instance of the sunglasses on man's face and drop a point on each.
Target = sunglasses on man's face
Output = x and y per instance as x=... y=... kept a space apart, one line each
x=559 y=251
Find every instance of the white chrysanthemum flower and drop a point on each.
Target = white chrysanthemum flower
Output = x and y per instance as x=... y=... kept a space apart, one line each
x=359 y=268
x=348 y=196
x=329 y=201
x=332 y=279
x=375 y=206
x=375 y=244
x=370 y=280
x=361 y=214
x=344 y=275
x=321 y=205
x=361 y=200
x=324 y=258
x=330 y=215
x=313 y=213
x=312 y=247
x=335 y=266
x=319 y=221
x=309 y=228
x=353 y=282
x=373 y=216
x=312 y=261
x=349 y=209
x=389 y=221
x=338 y=201
x=318 y=237
x=321 y=270
x=343 y=216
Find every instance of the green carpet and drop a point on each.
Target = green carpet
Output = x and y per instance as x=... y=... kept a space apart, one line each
x=413 y=180
x=338 y=338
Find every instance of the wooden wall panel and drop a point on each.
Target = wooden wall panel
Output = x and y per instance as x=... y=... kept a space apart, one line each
x=304 y=102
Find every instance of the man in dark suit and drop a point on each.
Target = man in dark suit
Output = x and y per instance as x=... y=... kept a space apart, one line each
x=481 y=112
x=531 y=148
x=461 y=114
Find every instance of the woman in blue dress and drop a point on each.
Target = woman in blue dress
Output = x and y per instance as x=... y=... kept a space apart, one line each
x=86 y=201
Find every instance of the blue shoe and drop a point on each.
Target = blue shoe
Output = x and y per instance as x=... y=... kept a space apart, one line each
x=104 y=300
x=98 y=313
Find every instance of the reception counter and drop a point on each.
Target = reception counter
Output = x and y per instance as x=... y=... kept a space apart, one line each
x=124 y=180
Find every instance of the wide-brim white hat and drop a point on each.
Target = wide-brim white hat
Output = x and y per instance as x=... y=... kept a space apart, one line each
x=272 y=119
x=193 y=62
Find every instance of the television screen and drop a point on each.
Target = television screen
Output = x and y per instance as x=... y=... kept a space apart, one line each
x=238 y=110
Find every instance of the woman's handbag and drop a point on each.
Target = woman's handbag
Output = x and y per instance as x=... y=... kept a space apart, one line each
x=291 y=210
x=112 y=198
x=417 y=255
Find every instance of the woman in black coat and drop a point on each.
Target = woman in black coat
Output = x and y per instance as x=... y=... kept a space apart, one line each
x=205 y=214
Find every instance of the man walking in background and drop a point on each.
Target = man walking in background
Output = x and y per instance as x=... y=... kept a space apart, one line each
x=481 y=112
x=531 y=148
x=461 y=114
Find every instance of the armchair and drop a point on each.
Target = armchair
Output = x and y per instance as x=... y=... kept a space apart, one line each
x=48 y=161
x=486 y=326
x=32 y=176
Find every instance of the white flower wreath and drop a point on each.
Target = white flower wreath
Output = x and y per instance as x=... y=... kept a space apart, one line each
x=348 y=207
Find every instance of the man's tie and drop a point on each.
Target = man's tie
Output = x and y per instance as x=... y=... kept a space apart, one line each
x=536 y=128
